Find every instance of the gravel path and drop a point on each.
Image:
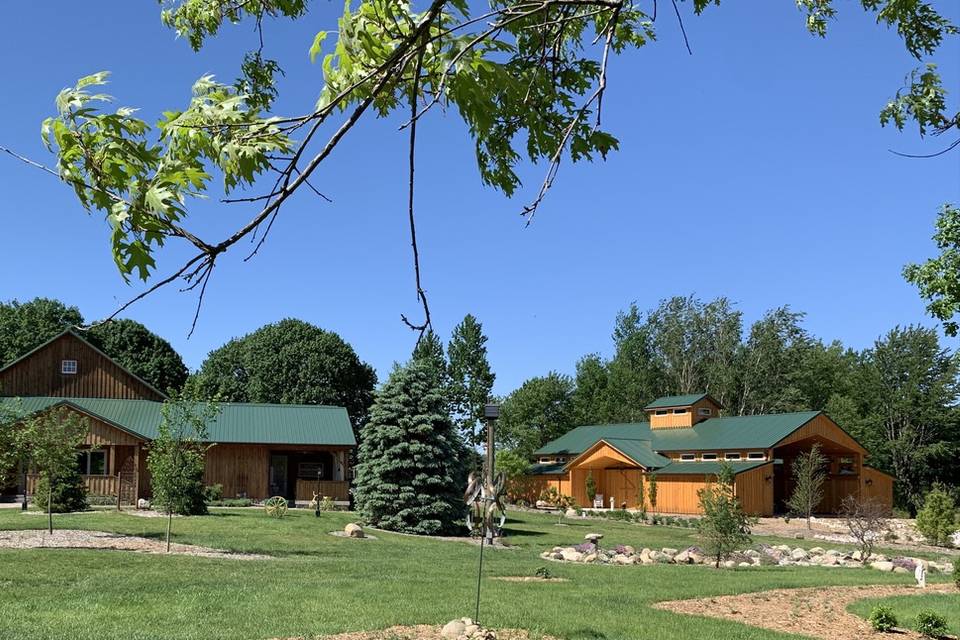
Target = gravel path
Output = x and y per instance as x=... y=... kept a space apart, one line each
x=817 y=612
x=76 y=539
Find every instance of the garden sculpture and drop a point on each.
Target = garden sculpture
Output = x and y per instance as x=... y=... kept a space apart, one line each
x=276 y=506
x=485 y=503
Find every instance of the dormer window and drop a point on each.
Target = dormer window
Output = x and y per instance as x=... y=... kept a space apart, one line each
x=68 y=367
x=708 y=457
x=688 y=457
x=679 y=411
x=756 y=455
x=705 y=411
x=662 y=412
x=731 y=456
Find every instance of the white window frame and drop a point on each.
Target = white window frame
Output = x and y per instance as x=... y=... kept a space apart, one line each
x=732 y=456
x=708 y=457
x=756 y=455
x=688 y=457
x=705 y=411
x=679 y=412
x=68 y=367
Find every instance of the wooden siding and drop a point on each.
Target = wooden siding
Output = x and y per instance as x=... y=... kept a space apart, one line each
x=683 y=420
x=823 y=428
x=96 y=485
x=97 y=375
x=878 y=486
x=600 y=456
x=755 y=490
x=336 y=489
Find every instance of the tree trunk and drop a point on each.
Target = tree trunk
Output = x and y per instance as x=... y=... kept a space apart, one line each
x=50 y=505
x=169 y=524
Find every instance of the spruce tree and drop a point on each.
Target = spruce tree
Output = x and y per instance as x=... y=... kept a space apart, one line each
x=409 y=458
x=471 y=380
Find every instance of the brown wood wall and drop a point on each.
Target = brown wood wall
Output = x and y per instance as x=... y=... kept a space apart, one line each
x=879 y=487
x=823 y=428
x=97 y=376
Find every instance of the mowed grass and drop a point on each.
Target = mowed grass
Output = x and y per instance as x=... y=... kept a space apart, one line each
x=906 y=608
x=320 y=584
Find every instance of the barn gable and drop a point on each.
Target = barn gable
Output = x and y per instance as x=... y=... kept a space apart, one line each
x=69 y=366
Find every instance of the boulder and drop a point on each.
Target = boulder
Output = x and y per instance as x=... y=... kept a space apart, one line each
x=143 y=503
x=593 y=537
x=669 y=551
x=627 y=549
x=900 y=570
x=571 y=555
x=590 y=557
x=799 y=554
x=624 y=559
x=882 y=565
x=683 y=558
x=817 y=551
x=829 y=561
x=354 y=530
x=729 y=564
x=745 y=564
x=453 y=629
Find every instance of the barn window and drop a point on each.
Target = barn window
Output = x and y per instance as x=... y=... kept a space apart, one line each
x=708 y=456
x=705 y=411
x=756 y=455
x=688 y=457
x=92 y=463
x=731 y=456
x=68 y=367
x=662 y=412
x=846 y=465
x=679 y=411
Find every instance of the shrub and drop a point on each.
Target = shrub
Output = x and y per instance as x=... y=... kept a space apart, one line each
x=543 y=572
x=936 y=520
x=931 y=624
x=232 y=502
x=619 y=514
x=213 y=493
x=69 y=493
x=586 y=547
x=882 y=618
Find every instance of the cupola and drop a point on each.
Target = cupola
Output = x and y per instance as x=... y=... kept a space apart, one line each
x=678 y=412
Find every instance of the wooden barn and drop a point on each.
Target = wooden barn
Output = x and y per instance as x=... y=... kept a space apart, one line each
x=683 y=444
x=261 y=450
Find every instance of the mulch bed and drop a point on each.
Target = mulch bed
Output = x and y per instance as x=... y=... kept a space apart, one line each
x=76 y=539
x=814 y=612
x=418 y=632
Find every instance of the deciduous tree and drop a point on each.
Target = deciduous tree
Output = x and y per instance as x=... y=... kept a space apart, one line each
x=27 y=325
x=539 y=411
x=724 y=526
x=809 y=474
x=141 y=352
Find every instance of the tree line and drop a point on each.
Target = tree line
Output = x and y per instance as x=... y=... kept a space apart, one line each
x=898 y=397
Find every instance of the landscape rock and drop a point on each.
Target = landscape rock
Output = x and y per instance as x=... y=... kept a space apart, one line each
x=882 y=565
x=593 y=537
x=354 y=530
x=799 y=554
x=453 y=629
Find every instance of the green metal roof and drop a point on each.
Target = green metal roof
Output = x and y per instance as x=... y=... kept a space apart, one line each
x=639 y=451
x=708 y=468
x=247 y=423
x=676 y=401
x=739 y=432
x=547 y=468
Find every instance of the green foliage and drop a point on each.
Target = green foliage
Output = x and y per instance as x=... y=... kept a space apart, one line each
x=512 y=464
x=536 y=413
x=177 y=455
x=543 y=572
x=724 y=526
x=69 y=493
x=429 y=350
x=213 y=493
x=12 y=449
x=652 y=491
x=809 y=475
x=931 y=624
x=882 y=618
x=956 y=571
x=409 y=458
x=289 y=362
x=142 y=185
x=471 y=380
x=559 y=501
x=142 y=352
x=937 y=520
x=26 y=325
x=591 y=487
x=50 y=440
x=937 y=277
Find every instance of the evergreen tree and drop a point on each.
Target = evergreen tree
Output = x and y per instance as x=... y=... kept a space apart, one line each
x=471 y=380
x=410 y=458
x=937 y=520
x=429 y=350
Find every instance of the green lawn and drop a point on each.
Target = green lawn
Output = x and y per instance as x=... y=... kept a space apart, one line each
x=906 y=608
x=323 y=584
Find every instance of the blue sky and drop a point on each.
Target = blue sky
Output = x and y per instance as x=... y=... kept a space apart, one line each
x=754 y=169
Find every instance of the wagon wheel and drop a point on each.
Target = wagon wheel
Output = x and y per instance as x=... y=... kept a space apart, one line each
x=275 y=506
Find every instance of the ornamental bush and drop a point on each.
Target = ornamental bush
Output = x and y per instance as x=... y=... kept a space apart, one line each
x=931 y=624
x=937 y=519
x=69 y=493
x=882 y=618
